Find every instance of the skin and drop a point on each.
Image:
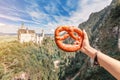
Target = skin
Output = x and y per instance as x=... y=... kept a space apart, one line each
x=110 y=64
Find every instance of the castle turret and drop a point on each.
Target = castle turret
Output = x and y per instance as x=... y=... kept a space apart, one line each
x=27 y=31
x=42 y=34
x=22 y=26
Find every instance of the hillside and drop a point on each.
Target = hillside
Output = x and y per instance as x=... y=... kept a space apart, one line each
x=103 y=30
x=30 y=61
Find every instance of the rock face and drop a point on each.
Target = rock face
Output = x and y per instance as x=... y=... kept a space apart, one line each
x=119 y=38
x=102 y=28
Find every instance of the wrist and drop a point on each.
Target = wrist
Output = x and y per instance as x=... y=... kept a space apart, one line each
x=90 y=51
x=86 y=49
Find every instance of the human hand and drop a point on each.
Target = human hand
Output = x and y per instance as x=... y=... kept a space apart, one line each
x=85 y=43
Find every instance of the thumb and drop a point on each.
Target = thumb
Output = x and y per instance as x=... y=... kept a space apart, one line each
x=85 y=34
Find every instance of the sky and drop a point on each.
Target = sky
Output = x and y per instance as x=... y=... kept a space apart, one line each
x=46 y=14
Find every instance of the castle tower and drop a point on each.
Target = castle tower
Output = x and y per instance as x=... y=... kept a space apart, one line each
x=27 y=31
x=22 y=26
x=42 y=34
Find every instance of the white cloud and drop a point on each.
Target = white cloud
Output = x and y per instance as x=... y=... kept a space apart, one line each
x=14 y=18
x=86 y=9
x=37 y=15
x=7 y=28
x=2 y=24
x=13 y=12
x=11 y=18
x=82 y=12
x=51 y=8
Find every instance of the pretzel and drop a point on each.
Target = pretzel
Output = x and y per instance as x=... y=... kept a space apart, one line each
x=70 y=32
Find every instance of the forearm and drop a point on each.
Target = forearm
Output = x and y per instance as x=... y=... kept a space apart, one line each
x=110 y=64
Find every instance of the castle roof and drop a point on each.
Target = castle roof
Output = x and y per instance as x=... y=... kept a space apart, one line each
x=26 y=31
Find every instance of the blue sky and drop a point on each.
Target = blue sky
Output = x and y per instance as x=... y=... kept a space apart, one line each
x=46 y=14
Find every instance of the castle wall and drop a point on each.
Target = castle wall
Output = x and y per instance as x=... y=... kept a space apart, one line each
x=25 y=35
x=27 y=38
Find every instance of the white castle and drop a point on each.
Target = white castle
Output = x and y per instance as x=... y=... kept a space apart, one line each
x=26 y=35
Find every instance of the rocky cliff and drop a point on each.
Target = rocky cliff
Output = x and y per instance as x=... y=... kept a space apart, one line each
x=32 y=62
x=103 y=28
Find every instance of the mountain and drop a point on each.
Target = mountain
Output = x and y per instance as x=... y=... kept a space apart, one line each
x=30 y=61
x=103 y=28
